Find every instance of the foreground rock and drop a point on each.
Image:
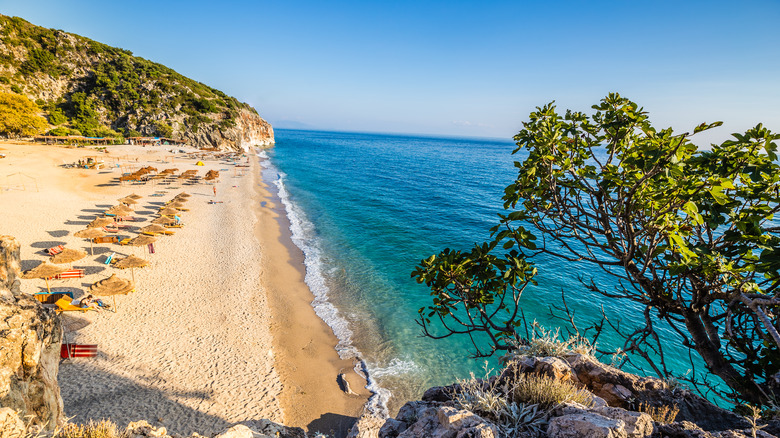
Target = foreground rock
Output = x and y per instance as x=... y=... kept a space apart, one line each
x=615 y=396
x=30 y=339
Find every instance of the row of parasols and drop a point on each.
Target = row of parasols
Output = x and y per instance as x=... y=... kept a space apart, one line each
x=112 y=285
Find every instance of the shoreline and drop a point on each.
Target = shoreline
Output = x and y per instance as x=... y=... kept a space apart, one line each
x=309 y=362
x=205 y=342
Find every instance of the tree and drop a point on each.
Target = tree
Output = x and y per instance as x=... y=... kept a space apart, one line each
x=19 y=116
x=688 y=234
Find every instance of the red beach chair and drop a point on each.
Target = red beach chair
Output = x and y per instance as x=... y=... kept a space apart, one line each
x=72 y=273
x=68 y=351
x=55 y=249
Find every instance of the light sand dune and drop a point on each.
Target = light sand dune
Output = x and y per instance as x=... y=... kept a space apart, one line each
x=215 y=333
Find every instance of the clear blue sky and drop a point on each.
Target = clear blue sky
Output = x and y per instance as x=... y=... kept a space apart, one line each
x=474 y=68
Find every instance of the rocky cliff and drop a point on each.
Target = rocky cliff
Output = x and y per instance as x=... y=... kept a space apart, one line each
x=30 y=339
x=84 y=87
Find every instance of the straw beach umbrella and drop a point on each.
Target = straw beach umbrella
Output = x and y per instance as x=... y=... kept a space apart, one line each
x=101 y=222
x=90 y=233
x=183 y=195
x=119 y=210
x=141 y=241
x=167 y=211
x=128 y=201
x=44 y=270
x=134 y=196
x=153 y=228
x=111 y=287
x=164 y=220
x=131 y=262
x=68 y=255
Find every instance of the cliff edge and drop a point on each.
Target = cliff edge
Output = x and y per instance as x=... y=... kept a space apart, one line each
x=30 y=339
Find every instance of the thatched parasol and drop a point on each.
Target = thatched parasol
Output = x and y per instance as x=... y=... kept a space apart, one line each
x=90 y=233
x=142 y=240
x=68 y=255
x=177 y=205
x=134 y=196
x=131 y=262
x=111 y=287
x=168 y=211
x=164 y=220
x=154 y=228
x=183 y=195
x=119 y=210
x=101 y=222
x=127 y=201
x=44 y=270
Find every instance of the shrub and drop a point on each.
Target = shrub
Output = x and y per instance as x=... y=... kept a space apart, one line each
x=16 y=89
x=545 y=343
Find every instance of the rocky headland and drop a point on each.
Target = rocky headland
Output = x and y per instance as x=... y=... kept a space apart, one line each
x=83 y=87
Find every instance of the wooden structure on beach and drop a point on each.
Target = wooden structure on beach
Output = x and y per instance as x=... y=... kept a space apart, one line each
x=74 y=139
x=155 y=141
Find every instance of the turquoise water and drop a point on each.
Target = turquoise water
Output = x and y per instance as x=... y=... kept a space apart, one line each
x=366 y=208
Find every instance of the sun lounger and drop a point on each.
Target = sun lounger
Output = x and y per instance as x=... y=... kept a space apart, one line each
x=109 y=258
x=125 y=219
x=151 y=248
x=173 y=225
x=72 y=273
x=55 y=249
x=68 y=351
x=51 y=297
x=106 y=239
x=64 y=305
x=111 y=229
x=125 y=241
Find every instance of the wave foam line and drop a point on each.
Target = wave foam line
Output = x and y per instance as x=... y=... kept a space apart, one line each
x=304 y=237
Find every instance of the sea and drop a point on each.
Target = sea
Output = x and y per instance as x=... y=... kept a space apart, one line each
x=366 y=208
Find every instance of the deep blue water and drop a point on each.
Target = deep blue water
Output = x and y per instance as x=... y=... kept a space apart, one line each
x=366 y=208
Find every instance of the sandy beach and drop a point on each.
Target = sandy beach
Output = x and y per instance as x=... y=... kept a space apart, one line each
x=220 y=329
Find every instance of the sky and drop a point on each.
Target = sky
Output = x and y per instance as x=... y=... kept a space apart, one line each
x=455 y=68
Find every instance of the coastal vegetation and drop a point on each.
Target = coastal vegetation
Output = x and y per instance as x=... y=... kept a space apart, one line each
x=19 y=116
x=686 y=235
x=84 y=87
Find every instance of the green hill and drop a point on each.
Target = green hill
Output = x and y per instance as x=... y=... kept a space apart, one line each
x=89 y=88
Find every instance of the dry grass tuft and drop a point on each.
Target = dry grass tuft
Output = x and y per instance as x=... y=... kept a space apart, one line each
x=547 y=392
x=545 y=343
x=661 y=414
x=102 y=429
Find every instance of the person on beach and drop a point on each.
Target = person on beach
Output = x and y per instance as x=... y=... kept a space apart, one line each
x=215 y=191
x=89 y=301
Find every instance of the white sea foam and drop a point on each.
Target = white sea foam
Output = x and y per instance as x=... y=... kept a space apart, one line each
x=304 y=237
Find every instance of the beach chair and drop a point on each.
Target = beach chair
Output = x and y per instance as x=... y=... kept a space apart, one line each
x=109 y=258
x=54 y=250
x=106 y=239
x=71 y=273
x=125 y=219
x=68 y=351
x=151 y=248
x=125 y=241
x=64 y=305
x=109 y=229
x=51 y=297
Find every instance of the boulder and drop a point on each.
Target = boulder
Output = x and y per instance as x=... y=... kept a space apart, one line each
x=30 y=338
x=369 y=426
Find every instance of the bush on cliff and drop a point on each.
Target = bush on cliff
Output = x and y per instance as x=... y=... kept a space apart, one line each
x=688 y=236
